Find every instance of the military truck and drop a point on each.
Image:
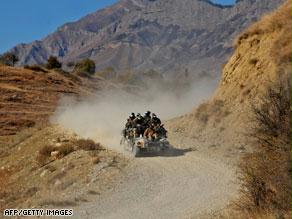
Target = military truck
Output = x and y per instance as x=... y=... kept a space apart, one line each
x=139 y=145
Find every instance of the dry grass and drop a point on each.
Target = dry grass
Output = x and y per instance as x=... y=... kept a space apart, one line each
x=36 y=68
x=64 y=150
x=45 y=153
x=202 y=114
x=266 y=173
x=46 y=150
x=88 y=145
x=278 y=21
x=60 y=203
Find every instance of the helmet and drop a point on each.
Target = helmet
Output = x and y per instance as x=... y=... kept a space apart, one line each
x=153 y=115
x=147 y=113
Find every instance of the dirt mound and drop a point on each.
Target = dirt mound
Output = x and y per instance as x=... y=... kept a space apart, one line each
x=29 y=97
x=262 y=55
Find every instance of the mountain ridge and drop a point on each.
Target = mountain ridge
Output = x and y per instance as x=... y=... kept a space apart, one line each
x=168 y=36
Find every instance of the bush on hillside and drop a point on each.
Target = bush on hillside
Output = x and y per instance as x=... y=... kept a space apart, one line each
x=53 y=63
x=266 y=172
x=88 y=145
x=85 y=66
x=36 y=68
x=9 y=59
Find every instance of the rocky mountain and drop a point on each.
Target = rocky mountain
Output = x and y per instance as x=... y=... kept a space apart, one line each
x=169 y=36
x=261 y=58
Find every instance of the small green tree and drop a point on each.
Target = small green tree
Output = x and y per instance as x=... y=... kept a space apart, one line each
x=85 y=65
x=9 y=58
x=53 y=63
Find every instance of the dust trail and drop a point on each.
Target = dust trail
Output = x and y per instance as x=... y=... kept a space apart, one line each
x=103 y=118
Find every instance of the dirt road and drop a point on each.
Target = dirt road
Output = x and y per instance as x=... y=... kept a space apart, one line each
x=185 y=185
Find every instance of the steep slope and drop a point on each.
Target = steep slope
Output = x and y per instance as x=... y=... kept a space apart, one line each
x=263 y=55
x=169 y=36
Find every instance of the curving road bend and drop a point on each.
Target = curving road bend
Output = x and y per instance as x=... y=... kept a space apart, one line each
x=186 y=184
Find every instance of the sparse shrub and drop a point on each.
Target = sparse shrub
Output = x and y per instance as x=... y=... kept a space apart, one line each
x=88 y=145
x=85 y=66
x=44 y=155
x=202 y=113
x=272 y=117
x=9 y=59
x=46 y=150
x=265 y=174
x=92 y=192
x=53 y=63
x=35 y=68
x=65 y=149
x=41 y=160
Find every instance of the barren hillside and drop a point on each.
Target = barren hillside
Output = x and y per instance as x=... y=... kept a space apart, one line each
x=29 y=97
x=42 y=164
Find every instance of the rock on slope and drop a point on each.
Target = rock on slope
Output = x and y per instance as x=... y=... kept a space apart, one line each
x=262 y=55
x=168 y=36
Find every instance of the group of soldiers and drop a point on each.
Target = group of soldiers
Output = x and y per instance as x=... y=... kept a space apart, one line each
x=148 y=126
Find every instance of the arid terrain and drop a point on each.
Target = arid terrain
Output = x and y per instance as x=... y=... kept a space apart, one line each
x=55 y=153
x=44 y=165
x=30 y=176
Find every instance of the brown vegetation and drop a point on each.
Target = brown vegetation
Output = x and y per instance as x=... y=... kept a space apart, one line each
x=53 y=63
x=270 y=23
x=265 y=174
x=29 y=97
x=25 y=183
x=36 y=68
x=88 y=145
x=9 y=59
x=48 y=153
x=86 y=66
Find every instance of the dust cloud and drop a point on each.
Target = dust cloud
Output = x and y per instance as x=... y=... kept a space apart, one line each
x=102 y=118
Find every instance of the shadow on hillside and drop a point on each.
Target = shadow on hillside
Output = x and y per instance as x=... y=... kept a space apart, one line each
x=173 y=152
